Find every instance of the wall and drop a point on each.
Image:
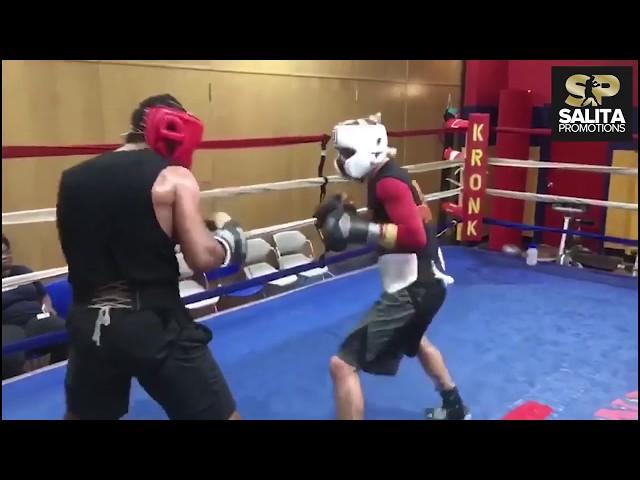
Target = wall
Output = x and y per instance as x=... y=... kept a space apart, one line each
x=483 y=82
x=536 y=75
x=87 y=102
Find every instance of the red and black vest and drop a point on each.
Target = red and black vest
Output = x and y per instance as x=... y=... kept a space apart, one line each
x=379 y=215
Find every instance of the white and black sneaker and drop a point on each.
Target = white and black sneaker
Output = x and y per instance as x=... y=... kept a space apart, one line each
x=441 y=413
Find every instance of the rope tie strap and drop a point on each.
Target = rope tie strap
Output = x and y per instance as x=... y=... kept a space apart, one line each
x=113 y=295
x=323 y=159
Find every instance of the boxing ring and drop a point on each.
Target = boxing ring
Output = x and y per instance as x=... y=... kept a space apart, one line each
x=522 y=342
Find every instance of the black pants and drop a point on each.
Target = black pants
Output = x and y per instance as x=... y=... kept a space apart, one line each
x=165 y=350
x=393 y=328
x=13 y=364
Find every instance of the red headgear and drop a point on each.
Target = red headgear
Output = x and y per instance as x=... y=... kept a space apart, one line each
x=173 y=134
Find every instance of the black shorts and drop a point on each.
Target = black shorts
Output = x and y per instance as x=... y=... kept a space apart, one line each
x=166 y=351
x=393 y=328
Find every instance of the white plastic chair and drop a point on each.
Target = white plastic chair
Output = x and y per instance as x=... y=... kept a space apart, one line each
x=289 y=249
x=188 y=286
x=256 y=264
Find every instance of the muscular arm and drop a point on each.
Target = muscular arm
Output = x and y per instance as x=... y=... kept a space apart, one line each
x=201 y=250
x=398 y=202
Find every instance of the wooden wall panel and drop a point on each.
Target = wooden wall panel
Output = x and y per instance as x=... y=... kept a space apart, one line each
x=383 y=70
x=266 y=106
x=77 y=102
x=622 y=188
x=425 y=105
x=51 y=102
x=124 y=86
x=436 y=72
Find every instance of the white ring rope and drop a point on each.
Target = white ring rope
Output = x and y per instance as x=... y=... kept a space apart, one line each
x=511 y=162
x=557 y=199
x=29 y=216
x=49 y=214
x=15 y=281
x=270 y=187
x=445 y=194
x=431 y=166
x=10 y=283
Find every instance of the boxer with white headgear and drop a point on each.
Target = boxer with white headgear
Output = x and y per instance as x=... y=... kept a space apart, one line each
x=410 y=263
x=362 y=146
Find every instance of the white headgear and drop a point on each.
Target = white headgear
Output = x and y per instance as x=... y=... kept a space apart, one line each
x=362 y=146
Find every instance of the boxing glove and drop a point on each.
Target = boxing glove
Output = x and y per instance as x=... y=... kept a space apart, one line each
x=231 y=236
x=453 y=210
x=342 y=226
x=339 y=200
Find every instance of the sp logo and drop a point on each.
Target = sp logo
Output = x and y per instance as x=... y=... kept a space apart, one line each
x=591 y=103
x=589 y=90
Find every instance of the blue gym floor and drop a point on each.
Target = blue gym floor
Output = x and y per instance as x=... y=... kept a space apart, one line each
x=510 y=333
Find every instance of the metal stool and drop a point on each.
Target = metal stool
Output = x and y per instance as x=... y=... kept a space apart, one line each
x=570 y=211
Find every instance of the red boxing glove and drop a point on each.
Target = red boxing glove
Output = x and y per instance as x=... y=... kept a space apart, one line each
x=453 y=210
x=456 y=123
x=451 y=154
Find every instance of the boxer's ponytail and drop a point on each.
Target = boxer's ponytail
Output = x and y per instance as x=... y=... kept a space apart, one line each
x=136 y=132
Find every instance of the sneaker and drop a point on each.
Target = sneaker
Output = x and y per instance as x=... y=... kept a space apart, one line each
x=441 y=413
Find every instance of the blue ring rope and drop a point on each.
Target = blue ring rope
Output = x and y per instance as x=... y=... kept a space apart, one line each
x=523 y=226
x=55 y=338
x=33 y=343
x=225 y=289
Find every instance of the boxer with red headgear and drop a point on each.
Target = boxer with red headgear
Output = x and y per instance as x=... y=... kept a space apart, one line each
x=119 y=217
x=410 y=263
x=172 y=133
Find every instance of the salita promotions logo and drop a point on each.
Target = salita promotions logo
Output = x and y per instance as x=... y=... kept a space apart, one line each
x=591 y=104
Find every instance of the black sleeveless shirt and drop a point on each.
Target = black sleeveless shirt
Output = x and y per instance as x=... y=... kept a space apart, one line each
x=391 y=169
x=108 y=229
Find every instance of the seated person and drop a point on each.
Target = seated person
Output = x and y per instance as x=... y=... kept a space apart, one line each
x=27 y=311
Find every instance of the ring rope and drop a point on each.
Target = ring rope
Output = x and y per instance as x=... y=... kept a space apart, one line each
x=49 y=214
x=29 y=216
x=539 y=197
x=576 y=233
x=226 y=192
x=17 y=280
x=311 y=221
x=543 y=132
x=313 y=182
x=10 y=283
x=24 y=151
x=510 y=162
x=49 y=339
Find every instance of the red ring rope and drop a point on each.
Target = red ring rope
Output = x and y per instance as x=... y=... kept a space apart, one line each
x=22 y=151
x=544 y=132
x=19 y=151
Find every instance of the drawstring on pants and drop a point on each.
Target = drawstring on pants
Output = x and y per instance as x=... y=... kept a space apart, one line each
x=114 y=295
